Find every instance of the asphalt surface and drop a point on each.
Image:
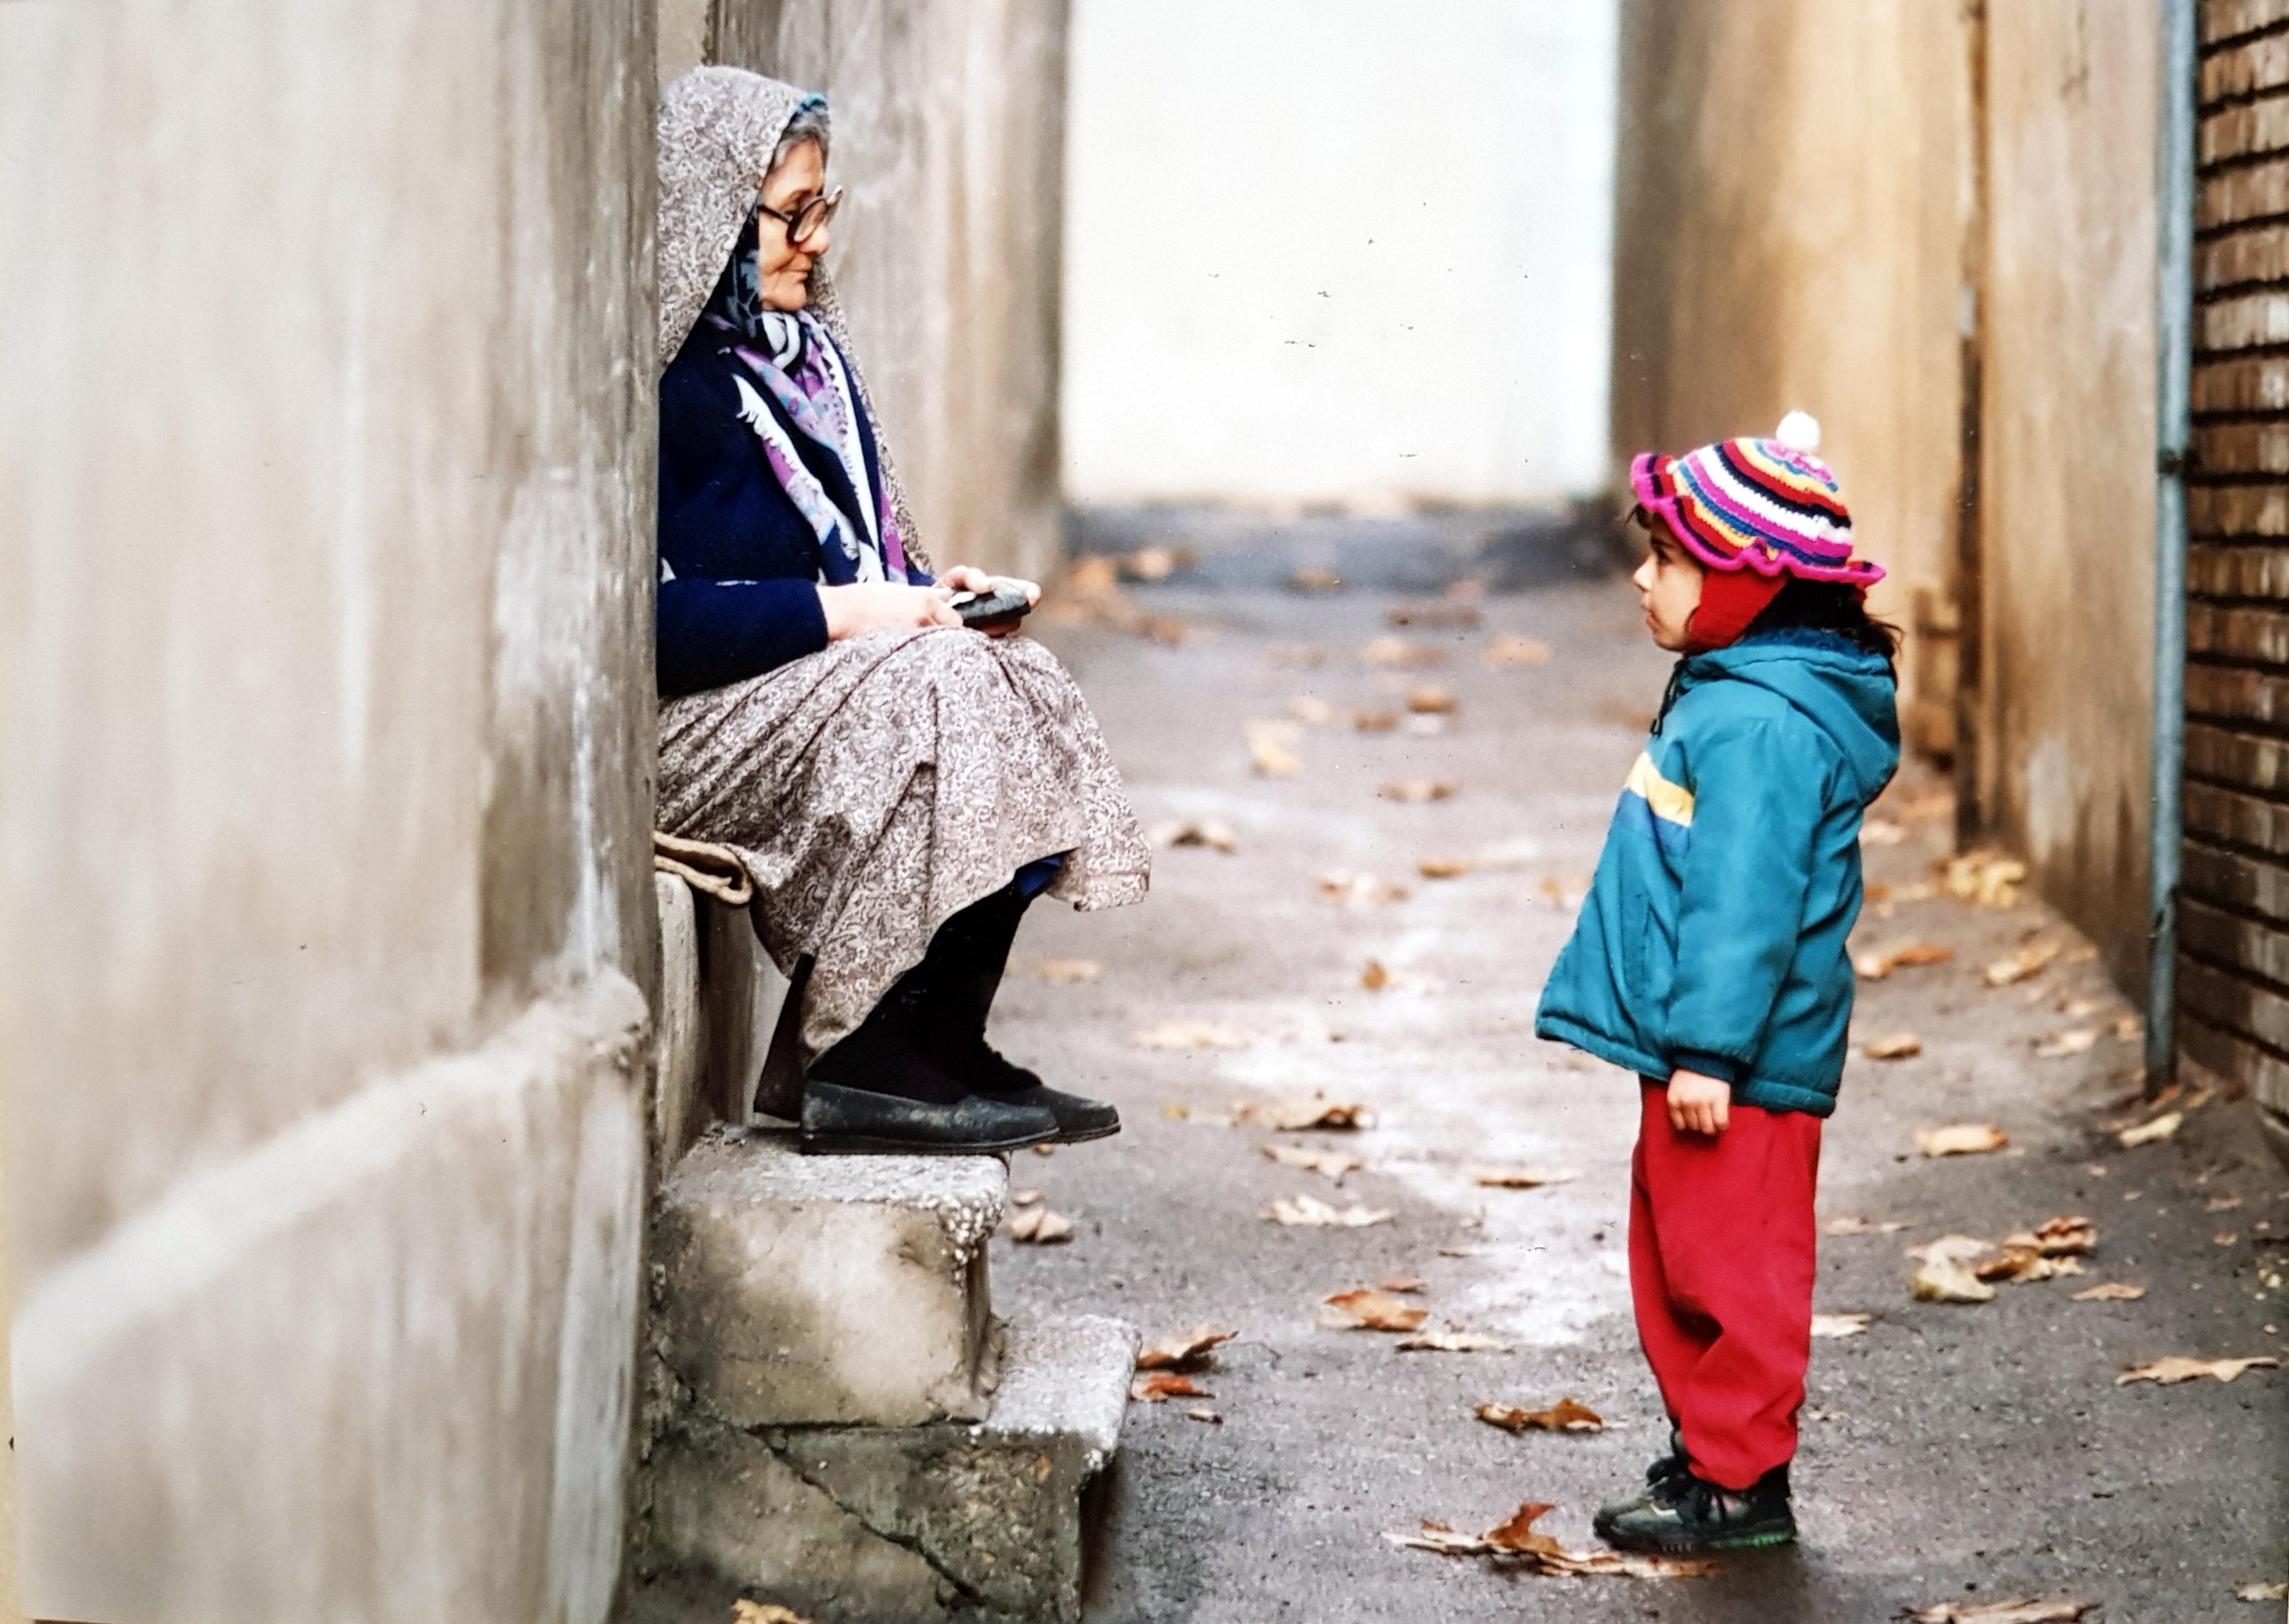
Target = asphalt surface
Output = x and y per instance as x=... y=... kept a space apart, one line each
x=1950 y=1453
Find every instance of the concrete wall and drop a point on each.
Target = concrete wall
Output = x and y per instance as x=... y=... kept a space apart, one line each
x=1316 y=256
x=1789 y=232
x=1800 y=223
x=325 y=741
x=949 y=119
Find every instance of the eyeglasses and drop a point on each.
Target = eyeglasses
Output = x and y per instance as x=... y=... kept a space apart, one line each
x=806 y=222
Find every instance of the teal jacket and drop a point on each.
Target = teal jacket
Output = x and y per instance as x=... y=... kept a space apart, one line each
x=1713 y=936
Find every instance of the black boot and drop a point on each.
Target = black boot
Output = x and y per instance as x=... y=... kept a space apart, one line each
x=1664 y=1469
x=966 y=959
x=1688 y=1512
x=880 y=1090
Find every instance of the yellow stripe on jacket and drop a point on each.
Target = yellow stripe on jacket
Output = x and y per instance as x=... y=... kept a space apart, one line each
x=1672 y=803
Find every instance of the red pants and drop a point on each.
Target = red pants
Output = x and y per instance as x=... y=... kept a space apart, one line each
x=1721 y=1256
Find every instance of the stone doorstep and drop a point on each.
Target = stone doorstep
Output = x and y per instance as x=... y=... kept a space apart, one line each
x=884 y=1525
x=793 y=1290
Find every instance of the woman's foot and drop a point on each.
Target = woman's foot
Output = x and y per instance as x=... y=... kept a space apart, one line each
x=1686 y=1513
x=837 y=1120
x=1078 y=1117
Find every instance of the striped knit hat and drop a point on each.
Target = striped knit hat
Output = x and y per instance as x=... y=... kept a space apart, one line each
x=1754 y=511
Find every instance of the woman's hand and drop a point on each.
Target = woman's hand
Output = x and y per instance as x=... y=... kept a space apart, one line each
x=1699 y=1104
x=970 y=577
x=885 y=605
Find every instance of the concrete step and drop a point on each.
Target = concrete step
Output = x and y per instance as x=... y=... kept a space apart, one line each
x=792 y=1290
x=890 y=1524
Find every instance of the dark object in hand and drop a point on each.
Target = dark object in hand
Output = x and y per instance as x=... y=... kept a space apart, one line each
x=987 y=614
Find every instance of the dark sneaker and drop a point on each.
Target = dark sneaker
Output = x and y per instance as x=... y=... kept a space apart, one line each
x=1079 y=1118
x=839 y=1120
x=1663 y=1468
x=1686 y=1513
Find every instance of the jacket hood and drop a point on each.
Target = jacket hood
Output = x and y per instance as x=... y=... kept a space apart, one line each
x=1849 y=693
x=718 y=128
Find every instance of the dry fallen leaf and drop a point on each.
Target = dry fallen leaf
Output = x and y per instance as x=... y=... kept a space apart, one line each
x=1351 y=890
x=1315 y=577
x=1214 y=833
x=1025 y=1197
x=1454 y=615
x=1839 y=1325
x=2029 y=961
x=2176 y=1368
x=1441 y=868
x=1510 y=649
x=2111 y=1291
x=1191 y=1035
x=2221 y=1204
x=2262 y=1593
x=1453 y=1342
x=1881 y=831
x=1399 y=1283
x=1894 y=1046
x=1067 y=971
x=1961 y=1139
x=1313 y=711
x=2075 y=1040
x=1375 y=721
x=1186 y=1349
x=2069 y=1235
x=1311 y=1213
x=1418 y=790
x=1367 y=1309
x=1331 y=1164
x=1953 y=1248
x=1375 y=978
x=1202 y=1412
x=1566 y=1415
x=2148 y=1133
x=1565 y=896
x=1985 y=879
x=1156 y=1387
x=1399 y=651
x=1521 y=1178
x=2021 y=1264
x=1873 y=966
x=1157 y=563
x=1302 y=1116
x=1948 y=1279
x=1863 y=1226
x=1038 y=1226
x=744 y=1612
x=1431 y=700
x=1270 y=747
x=1516 y=1541
x=2001 y=1613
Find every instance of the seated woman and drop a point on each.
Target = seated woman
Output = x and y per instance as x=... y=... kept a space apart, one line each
x=899 y=786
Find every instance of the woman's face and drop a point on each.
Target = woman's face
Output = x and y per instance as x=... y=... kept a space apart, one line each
x=783 y=270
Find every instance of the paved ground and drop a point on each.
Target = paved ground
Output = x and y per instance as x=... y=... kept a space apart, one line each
x=1963 y=1453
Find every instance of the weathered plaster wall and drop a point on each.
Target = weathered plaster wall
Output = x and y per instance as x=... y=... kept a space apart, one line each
x=325 y=746
x=2066 y=692
x=1798 y=225
x=1788 y=230
x=949 y=120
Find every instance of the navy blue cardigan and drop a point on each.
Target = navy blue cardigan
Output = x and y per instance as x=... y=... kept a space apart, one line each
x=740 y=594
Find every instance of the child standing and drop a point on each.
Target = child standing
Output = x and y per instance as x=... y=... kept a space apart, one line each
x=1709 y=957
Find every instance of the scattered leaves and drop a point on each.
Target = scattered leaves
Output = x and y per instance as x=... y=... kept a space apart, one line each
x=1441 y=868
x=2021 y=1264
x=1191 y=1035
x=1451 y=615
x=1566 y=1415
x=1350 y=890
x=1399 y=651
x=1038 y=1226
x=1159 y=1385
x=1367 y=1309
x=1375 y=978
x=2174 y=1369
x=2070 y=1235
x=1202 y=1412
x=1399 y=1283
x=1510 y=649
x=2059 y=1046
x=1311 y=1213
x=1881 y=831
x=2001 y=1613
x=1272 y=749
x=2161 y=1128
x=1521 y=1178
x=1961 y=1139
x=2031 y=960
x=1414 y=791
x=1431 y=700
x=1893 y=1046
x=1839 y=1325
x=1316 y=577
x=1863 y=1226
x=1566 y=895
x=1329 y=1164
x=1302 y=1116
x=1873 y=966
x=1211 y=832
x=1517 y=1540
x=744 y=1612
x=1453 y=1342
x=1313 y=711
x=2111 y=1291
x=1948 y=1279
x=1984 y=879
x=2261 y=1593
x=1025 y=1197
x=1186 y=1349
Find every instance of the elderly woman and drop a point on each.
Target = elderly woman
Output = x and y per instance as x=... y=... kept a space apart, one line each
x=899 y=786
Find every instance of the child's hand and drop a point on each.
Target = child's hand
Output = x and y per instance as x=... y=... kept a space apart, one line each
x=1699 y=1104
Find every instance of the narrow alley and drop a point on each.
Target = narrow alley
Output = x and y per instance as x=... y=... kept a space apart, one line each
x=1953 y=1453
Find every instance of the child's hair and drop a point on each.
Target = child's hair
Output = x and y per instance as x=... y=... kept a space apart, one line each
x=1829 y=605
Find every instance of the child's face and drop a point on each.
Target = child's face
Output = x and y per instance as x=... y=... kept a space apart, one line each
x=1668 y=583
